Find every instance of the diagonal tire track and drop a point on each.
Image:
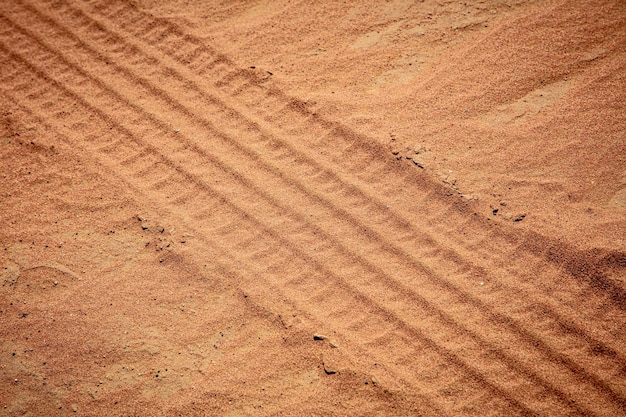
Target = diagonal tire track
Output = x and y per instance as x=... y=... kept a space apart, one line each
x=545 y=348
x=516 y=256
x=322 y=285
x=223 y=263
x=174 y=42
x=336 y=132
x=263 y=288
x=426 y=306
x=544 y=308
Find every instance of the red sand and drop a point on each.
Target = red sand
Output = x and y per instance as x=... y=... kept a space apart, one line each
x=312 y=208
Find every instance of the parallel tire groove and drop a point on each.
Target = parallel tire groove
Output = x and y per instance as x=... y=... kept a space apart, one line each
x=265 y=288
x=320 y=269
x=577 y=331
x=422 y=301
x=129 y=13
x=129 y=10
x=278 y=238
x=228 y=270
x=546 y=350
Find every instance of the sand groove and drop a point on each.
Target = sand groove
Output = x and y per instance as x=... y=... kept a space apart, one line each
x=366 y=198
x=293 y=114
x=208 y=165
x=341 y=304
x=403 y=224
x=162 y=184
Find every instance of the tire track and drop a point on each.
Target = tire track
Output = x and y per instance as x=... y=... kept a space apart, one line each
x=405 y=224
x=171 y=34
x=565 y=331
x=250 y=281
x=230 y=272
x=517 y=256
x=343 y=303
x=338 y=298
x=175 y=42
x=173 y=182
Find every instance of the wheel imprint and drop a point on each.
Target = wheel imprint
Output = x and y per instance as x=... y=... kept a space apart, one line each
x=130 y=157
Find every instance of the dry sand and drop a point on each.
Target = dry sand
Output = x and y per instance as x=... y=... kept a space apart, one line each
x=286 y=208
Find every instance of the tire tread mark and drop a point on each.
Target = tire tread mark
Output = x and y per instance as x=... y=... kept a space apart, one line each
x=129 y=10
x=233 y=269
x=546 y=349
x=615 y=293
x=173 y=187
x=323 y=274
x=138 y=191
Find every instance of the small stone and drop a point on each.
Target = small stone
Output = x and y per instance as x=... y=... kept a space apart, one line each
x=519 y=218
x=74 y=408
x=330 y=368
x=330 y=362
x=319 y=337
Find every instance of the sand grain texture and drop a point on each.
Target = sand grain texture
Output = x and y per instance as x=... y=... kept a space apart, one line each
x=312 y=208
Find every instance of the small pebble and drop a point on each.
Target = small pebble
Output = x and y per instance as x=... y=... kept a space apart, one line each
x=330 y=367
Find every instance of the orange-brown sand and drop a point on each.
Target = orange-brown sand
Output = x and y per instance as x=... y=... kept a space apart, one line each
x=233 y=208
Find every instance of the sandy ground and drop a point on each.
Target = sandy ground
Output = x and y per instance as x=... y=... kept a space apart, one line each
x=287 y=208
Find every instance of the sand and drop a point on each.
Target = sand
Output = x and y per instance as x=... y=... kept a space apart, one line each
x=312 y=208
